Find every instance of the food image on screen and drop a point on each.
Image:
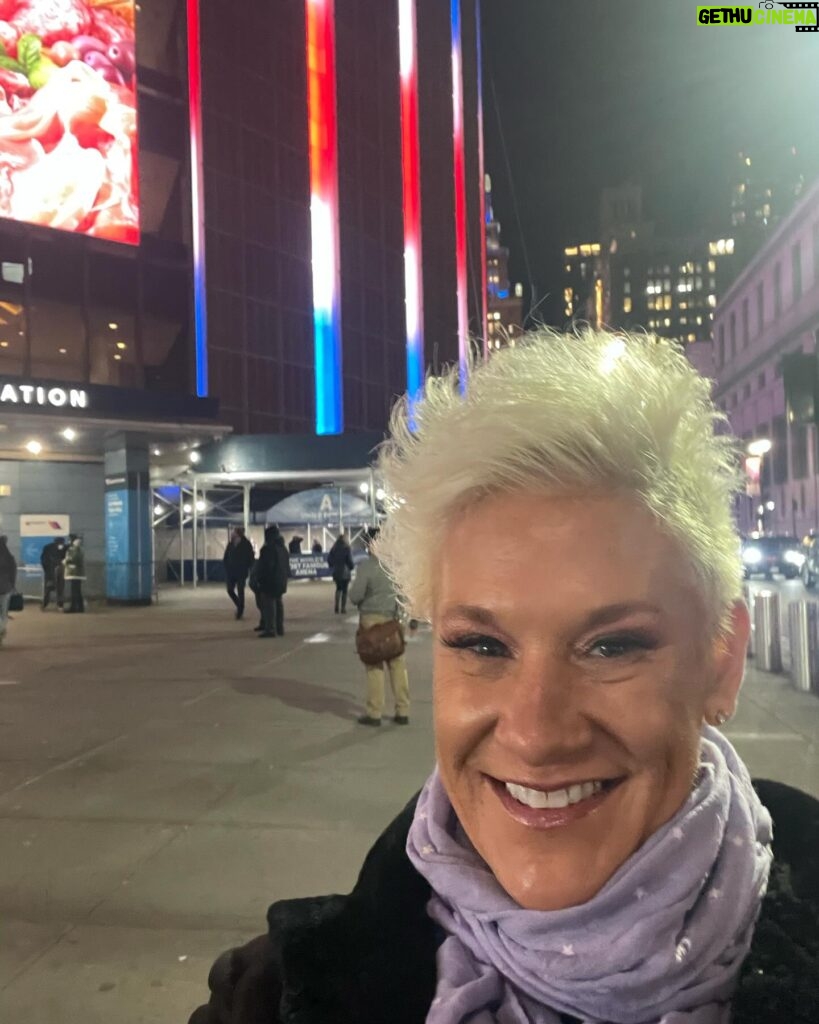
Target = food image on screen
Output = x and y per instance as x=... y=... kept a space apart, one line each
x=68 y=124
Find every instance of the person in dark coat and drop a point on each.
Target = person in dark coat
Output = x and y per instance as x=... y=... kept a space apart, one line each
x=294 y=547
x=271 y=577
x=238 y=560
x=75 y=575
x=8 y=583
x=52 y=559
x=589 y=845
x=340 y=560
x=317 y=549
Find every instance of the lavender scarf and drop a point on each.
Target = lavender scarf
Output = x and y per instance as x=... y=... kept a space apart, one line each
x=661 y=943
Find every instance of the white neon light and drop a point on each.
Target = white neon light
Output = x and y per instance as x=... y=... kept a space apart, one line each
x=406 y=38
x=324 y=268
x=413 y=293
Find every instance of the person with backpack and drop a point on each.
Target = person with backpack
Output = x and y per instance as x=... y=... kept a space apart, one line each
x=340 y=560
x=52 y=559
x=374 y=594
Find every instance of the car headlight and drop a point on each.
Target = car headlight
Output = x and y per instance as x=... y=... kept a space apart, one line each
x=751 y=556
x=795 y=558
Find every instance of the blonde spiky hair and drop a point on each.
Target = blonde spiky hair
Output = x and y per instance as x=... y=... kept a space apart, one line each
x=588 y=411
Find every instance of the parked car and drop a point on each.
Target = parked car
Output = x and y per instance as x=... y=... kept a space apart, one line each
x=764 y=556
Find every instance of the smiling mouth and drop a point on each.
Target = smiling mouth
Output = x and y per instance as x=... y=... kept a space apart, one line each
x=547 y=808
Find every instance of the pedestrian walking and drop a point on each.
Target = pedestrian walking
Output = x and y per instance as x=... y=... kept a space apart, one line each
x=340 y=560
x=271 y=578
x=8 y=583
x=238 y=560
x=374 y=594
x=52 y=559
x=294 y=547
x=75 y=575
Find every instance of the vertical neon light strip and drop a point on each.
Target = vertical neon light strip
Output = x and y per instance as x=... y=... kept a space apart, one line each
x=482 y=174
x=413 y=280
x=321 y=97
x=200 y=309
x=459 y=155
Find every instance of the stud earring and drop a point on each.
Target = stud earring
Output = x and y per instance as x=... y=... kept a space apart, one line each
x=721 y=717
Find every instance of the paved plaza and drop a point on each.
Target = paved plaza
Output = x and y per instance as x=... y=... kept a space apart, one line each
x=165 y=775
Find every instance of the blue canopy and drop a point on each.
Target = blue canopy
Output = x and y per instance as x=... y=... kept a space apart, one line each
x=319 y=507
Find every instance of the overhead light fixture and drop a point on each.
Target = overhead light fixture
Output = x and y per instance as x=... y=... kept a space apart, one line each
x=380 y=494
x=62 y=351
x=69 y=434
x=121 y=346
x=186 y=509
x=33 y=447
x=4 y=344
x=159 y=510
x=157 y=452
x=364 y=488
x=114 y=327
x=118 y=357
x=195 y=457
x=201 y=506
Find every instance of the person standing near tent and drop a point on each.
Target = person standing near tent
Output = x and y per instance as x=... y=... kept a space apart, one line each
x=374 y=594
x=271 y=579
x=52 y=560
x=238 y=560
x=340 y=560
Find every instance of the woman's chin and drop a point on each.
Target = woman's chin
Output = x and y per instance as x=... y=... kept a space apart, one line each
x=566 y=861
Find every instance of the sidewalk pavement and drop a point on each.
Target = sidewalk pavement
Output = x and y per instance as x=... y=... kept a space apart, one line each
x=165 y=775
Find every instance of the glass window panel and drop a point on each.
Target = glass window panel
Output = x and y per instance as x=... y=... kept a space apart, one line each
x=12 y=308
x=112 y=299
x=57 y=329
x=167 y=338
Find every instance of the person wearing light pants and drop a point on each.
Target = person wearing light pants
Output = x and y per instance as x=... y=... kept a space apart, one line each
x=373 y=593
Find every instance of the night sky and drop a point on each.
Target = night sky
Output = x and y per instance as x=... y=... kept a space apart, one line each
x=597 y=92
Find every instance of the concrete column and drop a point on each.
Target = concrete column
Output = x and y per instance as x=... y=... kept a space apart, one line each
x=128 y=521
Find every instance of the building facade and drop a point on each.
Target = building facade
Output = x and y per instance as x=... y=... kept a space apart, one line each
x=770 y=311
x=270 y=223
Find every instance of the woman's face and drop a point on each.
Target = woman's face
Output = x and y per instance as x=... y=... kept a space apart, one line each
x=573 y=668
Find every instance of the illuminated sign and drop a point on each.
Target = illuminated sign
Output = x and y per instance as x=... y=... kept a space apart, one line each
x=68 y=116
x=45 y=395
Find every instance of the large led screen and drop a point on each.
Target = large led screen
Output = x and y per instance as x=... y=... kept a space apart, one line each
x=68 y=125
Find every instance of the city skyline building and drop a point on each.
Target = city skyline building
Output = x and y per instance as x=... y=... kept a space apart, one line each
x=504 y=320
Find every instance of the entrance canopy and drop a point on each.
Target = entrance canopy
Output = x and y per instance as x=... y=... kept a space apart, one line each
x=320 y=506
x=287 y=458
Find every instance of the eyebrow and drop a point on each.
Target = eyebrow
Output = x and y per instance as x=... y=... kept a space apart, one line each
x=597 y=617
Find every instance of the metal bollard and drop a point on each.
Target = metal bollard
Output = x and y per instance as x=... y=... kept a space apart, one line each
x=749 y=596
x=767 y=647
x=803 y=623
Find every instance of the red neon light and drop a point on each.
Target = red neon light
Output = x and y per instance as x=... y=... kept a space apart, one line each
x=482 y=174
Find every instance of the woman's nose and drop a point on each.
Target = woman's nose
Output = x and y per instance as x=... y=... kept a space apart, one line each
x=542 y=717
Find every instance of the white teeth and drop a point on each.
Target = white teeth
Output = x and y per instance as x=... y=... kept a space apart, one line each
x=556 y=798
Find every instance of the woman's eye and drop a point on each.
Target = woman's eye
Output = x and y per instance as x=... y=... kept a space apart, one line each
x=477 y=644
x=610 y=648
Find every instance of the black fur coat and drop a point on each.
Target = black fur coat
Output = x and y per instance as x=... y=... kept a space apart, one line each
x=369 y=958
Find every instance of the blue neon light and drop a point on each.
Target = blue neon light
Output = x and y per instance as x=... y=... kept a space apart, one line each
x=329 y=400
